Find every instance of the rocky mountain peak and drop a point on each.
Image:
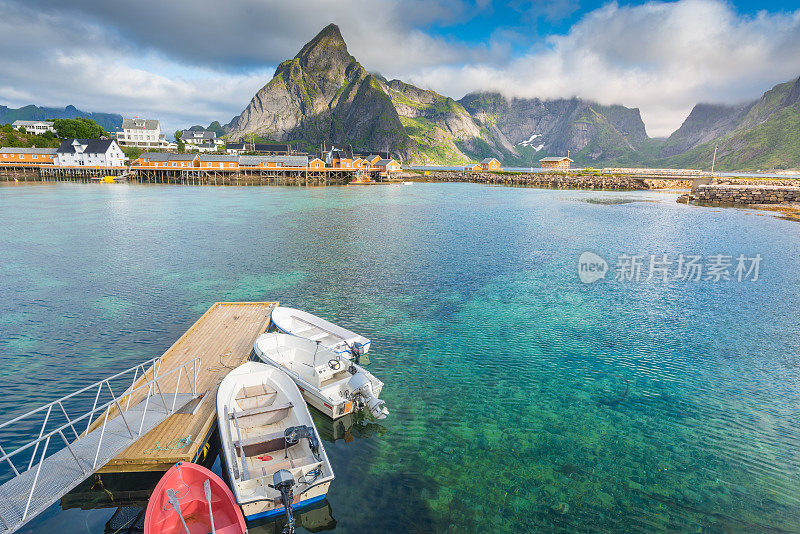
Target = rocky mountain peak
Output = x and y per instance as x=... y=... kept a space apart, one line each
x=323 y=94
x=326 y=47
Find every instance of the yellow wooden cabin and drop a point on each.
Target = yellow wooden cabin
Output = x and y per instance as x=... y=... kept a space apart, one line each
x=490 y=164
x=27 y=156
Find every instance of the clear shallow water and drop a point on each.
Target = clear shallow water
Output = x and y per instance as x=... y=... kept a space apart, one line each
x=522 y=400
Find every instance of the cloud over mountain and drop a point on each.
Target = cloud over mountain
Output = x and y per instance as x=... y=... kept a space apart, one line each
x=193 y=61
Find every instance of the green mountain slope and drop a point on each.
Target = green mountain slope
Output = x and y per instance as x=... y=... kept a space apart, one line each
x=109 y=121
x=534 y=128
x=766 y=136
x=323 y=95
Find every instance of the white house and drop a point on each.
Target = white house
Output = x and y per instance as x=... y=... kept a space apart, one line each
x=89 y=153
x=195 y=139
x=34 y=127
x=143 y=133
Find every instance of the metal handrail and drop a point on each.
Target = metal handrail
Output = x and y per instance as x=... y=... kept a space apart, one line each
x=105 y=407
x=78 y=392
x=191 y=370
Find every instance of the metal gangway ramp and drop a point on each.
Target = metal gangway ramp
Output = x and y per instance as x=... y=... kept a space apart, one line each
x=63 y=450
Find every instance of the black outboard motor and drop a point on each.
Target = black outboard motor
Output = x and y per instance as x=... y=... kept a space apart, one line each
x=357 y=350
x=283 y=481
x=293 y=435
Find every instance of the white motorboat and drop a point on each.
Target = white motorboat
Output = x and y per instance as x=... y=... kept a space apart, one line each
x=304 y=324
x=331 y=383
x=272 y=450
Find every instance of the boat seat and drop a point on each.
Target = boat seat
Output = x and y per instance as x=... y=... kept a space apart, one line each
x=266 y=468
x=321 y=335
x=253 y=391
x=262 y=416
x=334 y=378
x=257 y=396
x=261 y=444
x=260 y=410
x=304 y=329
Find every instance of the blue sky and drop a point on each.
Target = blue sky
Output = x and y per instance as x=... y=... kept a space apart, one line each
x=202 y=60
x=538 y=20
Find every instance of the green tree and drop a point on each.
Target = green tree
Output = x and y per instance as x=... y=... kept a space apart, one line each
x=132 y=152
x=80 y=128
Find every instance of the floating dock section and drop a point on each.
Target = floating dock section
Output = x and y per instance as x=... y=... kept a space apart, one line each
x=222 y=339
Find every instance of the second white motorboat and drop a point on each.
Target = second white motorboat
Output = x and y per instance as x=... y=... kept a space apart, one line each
x=301 y=323
x=328 y=381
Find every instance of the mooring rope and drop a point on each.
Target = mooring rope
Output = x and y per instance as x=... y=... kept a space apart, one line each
x=174 y=445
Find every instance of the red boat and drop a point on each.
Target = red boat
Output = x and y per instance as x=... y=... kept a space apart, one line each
x=190 y=499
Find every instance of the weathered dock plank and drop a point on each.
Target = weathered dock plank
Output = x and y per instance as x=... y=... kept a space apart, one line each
x=223 y=339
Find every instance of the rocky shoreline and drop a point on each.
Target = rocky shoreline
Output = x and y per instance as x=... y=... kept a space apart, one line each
x=543 y=180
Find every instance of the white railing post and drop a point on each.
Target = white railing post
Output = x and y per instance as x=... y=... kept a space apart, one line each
x=36 y=478
x=119 y=408
x=99 y=443
x=69 y=421
x=146 y=404
x=60 y=433
x=41 y=433
x=177 y=386
x=194 y=383
x=133 y=384
x=94 y=406
x=161 y=394
x=8 y=459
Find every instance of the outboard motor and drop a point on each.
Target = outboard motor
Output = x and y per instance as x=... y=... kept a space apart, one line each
x=293 y=435
x=363 y=396
x=283 y=481
x=357 y=350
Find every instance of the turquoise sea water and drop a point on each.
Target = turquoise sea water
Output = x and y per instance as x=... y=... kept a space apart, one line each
x=521 y=399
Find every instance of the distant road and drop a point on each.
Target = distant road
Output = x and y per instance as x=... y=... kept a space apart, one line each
x=538 y=169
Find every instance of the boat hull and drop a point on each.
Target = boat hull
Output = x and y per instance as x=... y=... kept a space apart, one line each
x=188 y=479
x=302 y=324
x=256 y=387
x=261 y=509
x=333 y=407
x=321 y=403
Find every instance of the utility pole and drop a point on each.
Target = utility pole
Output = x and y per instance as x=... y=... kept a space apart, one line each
x=714 y=161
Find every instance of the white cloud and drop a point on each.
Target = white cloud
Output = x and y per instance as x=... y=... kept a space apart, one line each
x=94 y=73
x=200 y=60
x=660 y=57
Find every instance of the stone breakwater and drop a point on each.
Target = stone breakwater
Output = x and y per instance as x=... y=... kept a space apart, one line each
x=668 y=183
x=757 y=181
x=742 y=194
x=544 y=180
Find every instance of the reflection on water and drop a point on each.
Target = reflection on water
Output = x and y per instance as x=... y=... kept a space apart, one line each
x=129 y=493
x=347 y=428
x=317 y=517
x=111 y=490
x=126 y=520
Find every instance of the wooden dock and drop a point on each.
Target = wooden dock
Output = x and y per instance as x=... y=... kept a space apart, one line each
x=223 y=339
